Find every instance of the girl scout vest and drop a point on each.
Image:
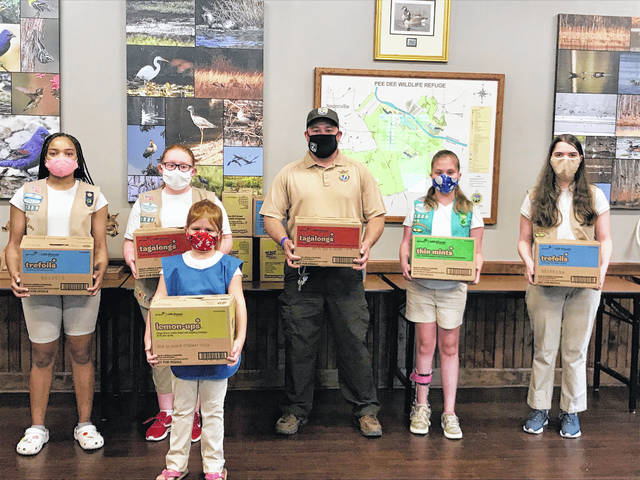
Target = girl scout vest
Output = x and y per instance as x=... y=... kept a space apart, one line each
x=423 y=219
x=151 y=205
x=36 y=207
x=580 y=232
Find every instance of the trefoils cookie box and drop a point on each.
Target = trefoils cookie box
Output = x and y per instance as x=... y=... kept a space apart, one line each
x=56 y=265
x=567 y=263
x=327 y=242
x=151 y=244
x=192 y=329
x=443 y=258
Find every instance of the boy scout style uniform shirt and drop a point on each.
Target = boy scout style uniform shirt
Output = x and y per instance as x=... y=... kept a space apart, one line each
x=346 y=189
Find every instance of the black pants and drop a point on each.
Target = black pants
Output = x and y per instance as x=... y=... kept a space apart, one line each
x=340 y=293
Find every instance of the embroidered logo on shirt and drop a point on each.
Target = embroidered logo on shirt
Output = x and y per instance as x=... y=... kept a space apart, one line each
x=32 y=198
x=344 y=175
x=88 y=198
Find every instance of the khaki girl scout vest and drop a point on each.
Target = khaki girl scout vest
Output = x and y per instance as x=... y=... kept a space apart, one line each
x=36 y=206
x=150 y=207
x=580 y=232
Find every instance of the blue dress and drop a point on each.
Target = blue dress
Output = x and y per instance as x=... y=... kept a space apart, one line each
x=181 y=279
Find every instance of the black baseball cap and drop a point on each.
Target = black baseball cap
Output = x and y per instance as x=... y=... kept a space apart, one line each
x=323 y=113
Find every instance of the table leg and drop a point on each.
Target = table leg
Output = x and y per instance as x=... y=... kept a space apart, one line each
x=392 y=330
x=635 y=344
x=408 y=364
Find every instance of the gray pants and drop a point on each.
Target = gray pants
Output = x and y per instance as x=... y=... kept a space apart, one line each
x=336 y=294
x=561 y=317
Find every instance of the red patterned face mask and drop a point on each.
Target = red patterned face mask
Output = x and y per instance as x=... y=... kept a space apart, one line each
x=202 y=240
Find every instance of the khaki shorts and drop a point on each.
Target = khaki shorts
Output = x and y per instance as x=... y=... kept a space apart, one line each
x=428 y=305
x=45 y=314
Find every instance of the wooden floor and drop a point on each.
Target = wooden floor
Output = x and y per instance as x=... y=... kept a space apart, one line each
x=494 y=445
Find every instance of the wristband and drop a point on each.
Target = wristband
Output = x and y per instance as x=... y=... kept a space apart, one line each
x=282 y=240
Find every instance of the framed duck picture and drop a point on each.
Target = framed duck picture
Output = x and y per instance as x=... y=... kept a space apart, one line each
x=415 y=30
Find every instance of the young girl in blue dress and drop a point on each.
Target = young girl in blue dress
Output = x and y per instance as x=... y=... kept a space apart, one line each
x=201 y=271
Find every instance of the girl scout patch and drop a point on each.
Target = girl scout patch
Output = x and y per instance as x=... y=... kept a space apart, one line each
x=463 y=219
x=344 y=175
x=88 y=198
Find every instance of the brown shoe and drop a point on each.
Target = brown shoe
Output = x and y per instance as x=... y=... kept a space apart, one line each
x=370 y=426
x=288 y=424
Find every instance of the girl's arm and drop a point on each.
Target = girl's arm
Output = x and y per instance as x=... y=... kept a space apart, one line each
x=603 y=235
x=405 y=249
x=128 y=252
x=100 y=255
x=161 y=291
x=17 y=223
x=524 y=247
x=226 y=242
x=235 y=289
x=477 y=234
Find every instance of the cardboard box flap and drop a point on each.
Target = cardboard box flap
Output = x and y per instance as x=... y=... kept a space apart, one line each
x=327 y=221
x=158 y=231
x=56 y=243
x=209 y=301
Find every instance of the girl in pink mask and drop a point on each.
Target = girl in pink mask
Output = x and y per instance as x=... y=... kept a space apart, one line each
x=63 y=202
x=562 y=206
x=203 y=270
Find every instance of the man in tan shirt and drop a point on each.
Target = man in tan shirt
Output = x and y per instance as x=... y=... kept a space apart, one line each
x=325 y=183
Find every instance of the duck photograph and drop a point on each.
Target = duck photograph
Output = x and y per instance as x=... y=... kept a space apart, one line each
x=230 y=23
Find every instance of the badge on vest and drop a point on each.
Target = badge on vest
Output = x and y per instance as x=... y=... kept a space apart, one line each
x=148 y=207
x=344 y=175
x=32 y=199
x=539 y=234
x=144 y=219
x=88 y=199
x=463 y=219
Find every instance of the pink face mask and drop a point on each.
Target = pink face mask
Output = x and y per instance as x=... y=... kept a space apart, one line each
x=61 y=166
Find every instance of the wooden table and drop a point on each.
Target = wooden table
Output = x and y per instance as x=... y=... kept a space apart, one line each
x=614 y=288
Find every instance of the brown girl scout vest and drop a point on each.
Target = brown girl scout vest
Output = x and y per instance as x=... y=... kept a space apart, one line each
x=36 y=207
x=580 y=232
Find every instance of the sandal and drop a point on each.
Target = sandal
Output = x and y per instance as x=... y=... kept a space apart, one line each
x=32 y=441
x=88 y=437
x=216 y=476
x=172 y=474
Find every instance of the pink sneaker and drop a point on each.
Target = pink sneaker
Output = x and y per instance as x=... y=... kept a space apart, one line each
x=196 y=432
x=160 y=427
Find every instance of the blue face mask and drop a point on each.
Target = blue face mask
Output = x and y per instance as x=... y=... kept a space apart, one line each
x=444 y=183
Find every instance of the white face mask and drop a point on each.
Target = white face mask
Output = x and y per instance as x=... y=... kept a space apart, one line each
x=176 y=179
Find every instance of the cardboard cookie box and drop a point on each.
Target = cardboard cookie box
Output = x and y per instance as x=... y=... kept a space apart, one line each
x=151 y=244
x=327 y=242
x=567 y=263
x=443 y=258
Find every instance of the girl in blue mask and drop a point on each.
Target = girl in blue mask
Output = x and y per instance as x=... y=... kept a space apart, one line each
x=203 y=270
x=437 y=306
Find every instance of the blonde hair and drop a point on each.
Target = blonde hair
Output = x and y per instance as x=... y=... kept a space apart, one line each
x=462 y=203
x=208 y=210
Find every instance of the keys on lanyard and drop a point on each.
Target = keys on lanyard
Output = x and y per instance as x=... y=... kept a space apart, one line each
x=303 y=276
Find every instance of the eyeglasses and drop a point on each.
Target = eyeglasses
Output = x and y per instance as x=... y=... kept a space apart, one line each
x=566 y=154
x=183 y=167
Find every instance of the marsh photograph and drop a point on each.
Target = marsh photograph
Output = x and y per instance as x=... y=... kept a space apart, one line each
x=243 y=123
x=160 y=22
x=230 y=23
x=229 y=73
x=585 y=114
x=593 y=32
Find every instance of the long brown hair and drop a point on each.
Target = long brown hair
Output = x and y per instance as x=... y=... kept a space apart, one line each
x=544 y=204
x=462 y=204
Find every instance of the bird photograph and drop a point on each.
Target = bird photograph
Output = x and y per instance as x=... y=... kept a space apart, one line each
x=9 y=11
x=197 y=123
x=161 y=22
x=243 y=123
x=26 y=156
x=10 y=48
x=209 y=178
x=246 y=161
x=5 y=93
x=143 y=149
x=229 y=24
x=31 y=94
x=159 y=71
x=145 y=111
x=40 y=8
x=40 y=45
x=415 y=17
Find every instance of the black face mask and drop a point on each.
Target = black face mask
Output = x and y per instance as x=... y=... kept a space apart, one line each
x=323 y=146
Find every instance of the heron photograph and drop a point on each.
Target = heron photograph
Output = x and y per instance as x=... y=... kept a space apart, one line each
x=159 y=71
x=145 y=111
x=209 y=177
x=10 y=13
x=243 y=123
x=228 y=73
x=40 y=45
x=40 y=8
x=160 y=22
x=230 y=23
x=144 y=148
x=197 y=123
x=137 y=184
x=5 y=93
x=9 y=47
x=22 y=138
x=31 y=94
x=244 y=161
x=244 y=183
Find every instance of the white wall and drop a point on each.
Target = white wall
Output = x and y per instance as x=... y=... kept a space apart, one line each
x=517 y=38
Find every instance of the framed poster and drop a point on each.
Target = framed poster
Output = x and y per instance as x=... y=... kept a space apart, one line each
x=395 y=121
x=597 y=99
x=412 y=30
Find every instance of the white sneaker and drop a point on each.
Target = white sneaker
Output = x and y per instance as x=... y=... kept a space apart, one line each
x=88 y=437
x=451 y=426
x=32 y=441
x=420 y=419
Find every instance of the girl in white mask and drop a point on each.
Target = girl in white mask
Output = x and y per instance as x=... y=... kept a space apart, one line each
x=562 y=206
x=167 y=207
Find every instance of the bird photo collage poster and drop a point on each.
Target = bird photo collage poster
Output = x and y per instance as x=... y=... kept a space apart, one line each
x=29 y=87
x=195 y=77
x=597 y=98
